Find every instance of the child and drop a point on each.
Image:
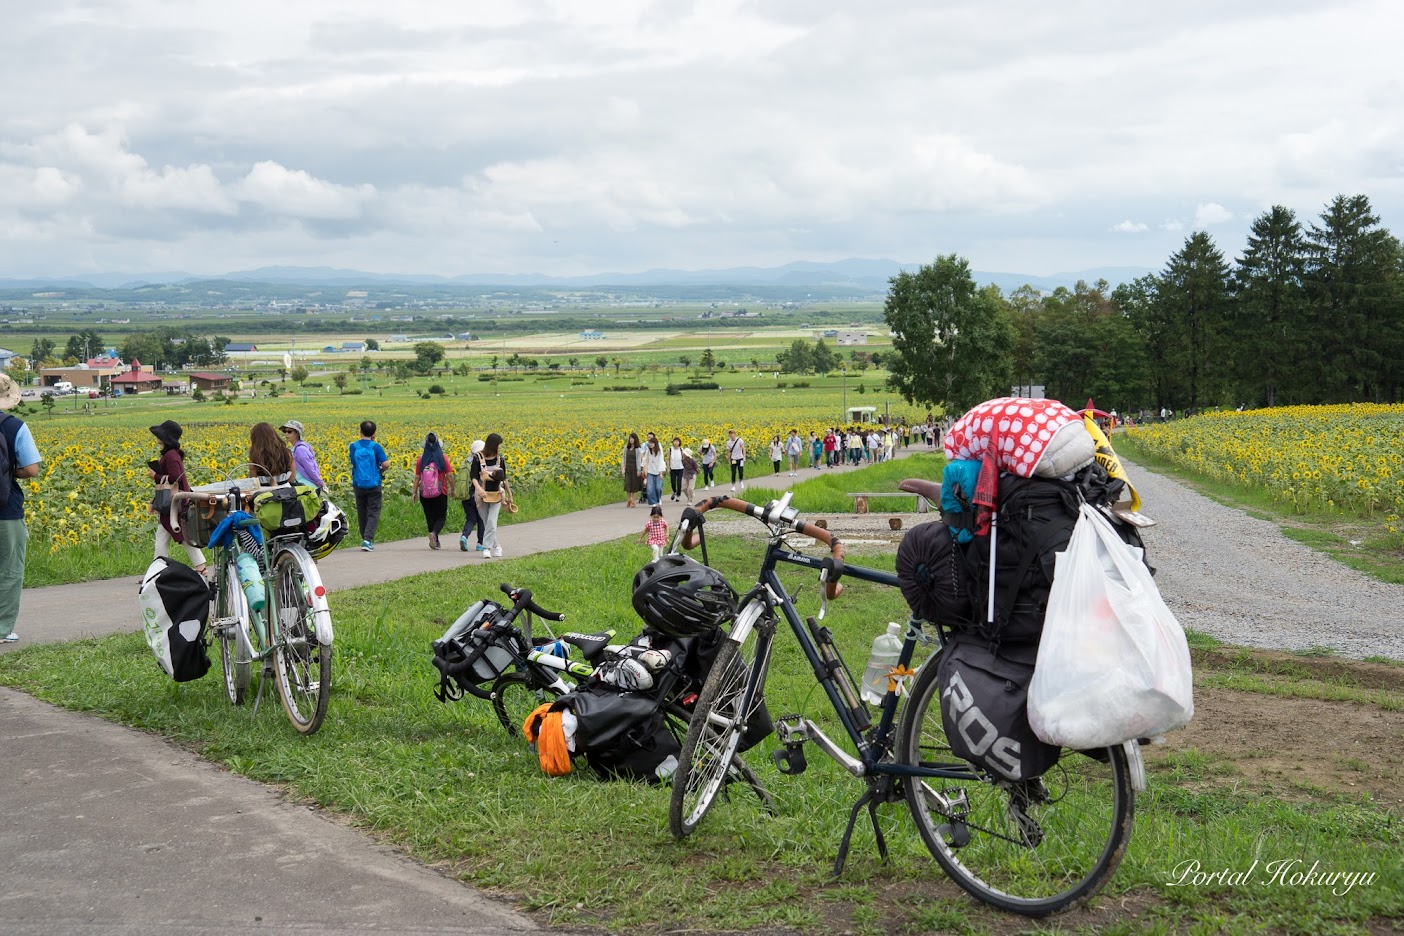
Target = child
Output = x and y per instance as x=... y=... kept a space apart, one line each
x=655 y=531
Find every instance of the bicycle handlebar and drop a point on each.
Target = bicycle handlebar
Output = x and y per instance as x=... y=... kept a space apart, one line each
x=522 y=601
x=208 y=498
x=773 y=513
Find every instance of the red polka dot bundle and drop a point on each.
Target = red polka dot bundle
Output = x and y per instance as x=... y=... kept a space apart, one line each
x=1019 y=432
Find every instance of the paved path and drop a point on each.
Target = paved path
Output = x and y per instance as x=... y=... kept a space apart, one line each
x=105 y=830
x=88 y=609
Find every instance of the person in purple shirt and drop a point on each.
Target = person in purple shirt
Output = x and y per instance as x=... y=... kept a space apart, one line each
x=304 y=459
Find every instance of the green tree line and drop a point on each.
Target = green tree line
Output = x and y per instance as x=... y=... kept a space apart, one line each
x=1304 y=314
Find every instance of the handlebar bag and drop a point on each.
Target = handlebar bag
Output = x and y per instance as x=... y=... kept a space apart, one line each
x=175 y=609
x=287 y=508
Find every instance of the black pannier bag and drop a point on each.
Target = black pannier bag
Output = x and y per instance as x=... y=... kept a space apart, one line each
x=175 y=612
x=984 y=695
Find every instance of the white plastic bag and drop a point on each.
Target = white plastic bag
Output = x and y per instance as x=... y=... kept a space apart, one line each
x=1113 y=663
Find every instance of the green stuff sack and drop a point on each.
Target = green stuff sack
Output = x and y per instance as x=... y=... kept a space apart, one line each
x=287 y=508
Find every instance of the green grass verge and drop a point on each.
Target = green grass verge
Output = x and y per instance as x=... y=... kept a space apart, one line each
x=828 y=493
x=447 y=784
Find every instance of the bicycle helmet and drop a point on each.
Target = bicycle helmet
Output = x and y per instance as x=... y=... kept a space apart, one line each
x=680 y=597
x=330 y=529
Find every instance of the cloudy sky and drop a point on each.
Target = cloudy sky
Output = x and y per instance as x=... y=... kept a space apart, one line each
x=584 y=136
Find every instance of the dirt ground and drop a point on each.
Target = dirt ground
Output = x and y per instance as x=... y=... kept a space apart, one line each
x=1284 y=745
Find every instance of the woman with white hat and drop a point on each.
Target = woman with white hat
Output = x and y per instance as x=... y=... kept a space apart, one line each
x=472 y=519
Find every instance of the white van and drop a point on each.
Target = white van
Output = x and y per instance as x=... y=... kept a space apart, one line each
x=62 y=388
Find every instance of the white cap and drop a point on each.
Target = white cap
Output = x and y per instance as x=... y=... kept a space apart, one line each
x=477 y=446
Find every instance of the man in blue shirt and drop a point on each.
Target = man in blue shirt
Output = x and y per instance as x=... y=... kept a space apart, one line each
x=368 y=464
x=23 y=456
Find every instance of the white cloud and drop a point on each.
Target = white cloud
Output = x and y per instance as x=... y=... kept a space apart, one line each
x=1211 y=213
x=621 y=134
x=296 y=193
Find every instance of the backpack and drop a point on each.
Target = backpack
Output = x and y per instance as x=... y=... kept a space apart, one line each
x=984 y=697
x=365 y=471
x=175 y=609
x=933 y=577
x=7 y=463
x=430 y=483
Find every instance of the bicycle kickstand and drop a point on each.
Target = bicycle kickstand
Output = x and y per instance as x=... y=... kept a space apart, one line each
x=871 y=799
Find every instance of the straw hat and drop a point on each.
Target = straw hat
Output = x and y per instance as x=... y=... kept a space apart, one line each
x=9 y=392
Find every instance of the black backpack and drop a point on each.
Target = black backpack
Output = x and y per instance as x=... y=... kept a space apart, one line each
x=7 y=462
x=1035 y=520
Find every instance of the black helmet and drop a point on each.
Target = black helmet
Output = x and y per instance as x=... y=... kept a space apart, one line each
x=680 y=597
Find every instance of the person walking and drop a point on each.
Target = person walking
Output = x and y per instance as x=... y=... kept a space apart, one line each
x=304 y=459
x=631 y=465
x=655 y=532
x=675 y=467
x=368 y=464
x=777 y=453
x=736 y=454
x=829 y=441
x=432 y=482
x=169 y=468
x=653 y=462
x=689 y=476
x=492 y=490
x=23 y=456
x=708 y=454
x=793 y=447
x=816 y=450
x=472 y=517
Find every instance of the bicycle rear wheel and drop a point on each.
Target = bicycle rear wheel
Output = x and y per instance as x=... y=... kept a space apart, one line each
x=514 y=697
x=232 y=629
x=1030 y=848
x=303 y=665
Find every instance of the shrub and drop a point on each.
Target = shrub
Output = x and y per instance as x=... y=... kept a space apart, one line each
x=618 y=388
x=699 y=385
x=436 y=388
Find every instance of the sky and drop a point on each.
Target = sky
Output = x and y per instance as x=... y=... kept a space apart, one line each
x=572 y=137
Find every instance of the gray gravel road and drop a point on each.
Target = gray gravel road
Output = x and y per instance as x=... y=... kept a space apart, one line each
x=1239 y=579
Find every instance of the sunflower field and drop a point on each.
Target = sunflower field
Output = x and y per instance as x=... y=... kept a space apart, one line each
x=1347 y=458
x=93 y=487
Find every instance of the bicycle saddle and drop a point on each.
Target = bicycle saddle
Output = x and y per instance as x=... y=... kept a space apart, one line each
x=927 y=489
x=592 y=645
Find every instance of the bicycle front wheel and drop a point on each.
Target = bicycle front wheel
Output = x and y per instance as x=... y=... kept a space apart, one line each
x=713 y=736
x=514 y=697
x=1030 y=848
x=303 y=665
x=232 y=628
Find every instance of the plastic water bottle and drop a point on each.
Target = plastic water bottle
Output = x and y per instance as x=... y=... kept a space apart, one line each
x=887 y=650
x=555 y=648
x=252 y=581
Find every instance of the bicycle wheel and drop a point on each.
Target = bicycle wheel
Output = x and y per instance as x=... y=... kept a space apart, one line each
x=514 y=697
x=232 y=629
x=708 y=760
x=1030 y=848
x=303 y=665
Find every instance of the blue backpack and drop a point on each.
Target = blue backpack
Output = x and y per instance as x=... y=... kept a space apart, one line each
x=365 y=470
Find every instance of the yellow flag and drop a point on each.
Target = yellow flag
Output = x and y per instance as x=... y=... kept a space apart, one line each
x=1106 y=457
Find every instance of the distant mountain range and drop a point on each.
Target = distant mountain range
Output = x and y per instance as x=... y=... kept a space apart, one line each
x=854 y=274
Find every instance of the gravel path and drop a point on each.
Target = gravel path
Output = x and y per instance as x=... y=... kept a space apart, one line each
x=1224 y=573
x=1239 y=579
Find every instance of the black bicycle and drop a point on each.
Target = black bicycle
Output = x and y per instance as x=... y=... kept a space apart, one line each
x=1032 y=847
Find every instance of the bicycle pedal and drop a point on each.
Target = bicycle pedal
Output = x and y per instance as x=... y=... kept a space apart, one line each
x=791 y=730
x=790 y=760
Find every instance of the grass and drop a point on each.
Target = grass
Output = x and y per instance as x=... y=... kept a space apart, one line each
x=828 y=493
x=448 y=785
